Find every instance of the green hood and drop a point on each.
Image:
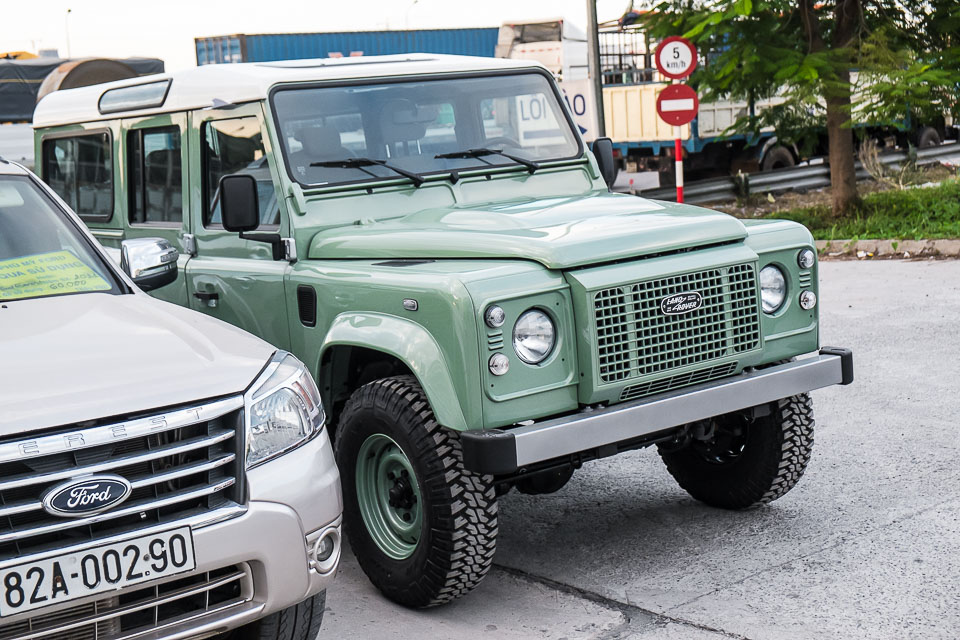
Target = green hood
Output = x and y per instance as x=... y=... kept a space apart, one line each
x=559 y=233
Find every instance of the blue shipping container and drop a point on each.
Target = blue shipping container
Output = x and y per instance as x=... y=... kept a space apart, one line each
x=297 y=46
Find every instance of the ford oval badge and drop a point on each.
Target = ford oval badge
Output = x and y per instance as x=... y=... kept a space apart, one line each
x=681 y=303
x=87 y=496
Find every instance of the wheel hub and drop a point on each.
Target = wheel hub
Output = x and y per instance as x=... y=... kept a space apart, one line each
x=388 y=495
x=401 y=493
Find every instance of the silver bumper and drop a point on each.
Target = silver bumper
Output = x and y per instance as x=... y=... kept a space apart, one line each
x=505 y=451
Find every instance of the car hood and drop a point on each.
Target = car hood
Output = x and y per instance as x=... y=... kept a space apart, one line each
x=74 y=358
x=559 y=233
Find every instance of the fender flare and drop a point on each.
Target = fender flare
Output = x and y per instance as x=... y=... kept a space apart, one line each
x=410 y=343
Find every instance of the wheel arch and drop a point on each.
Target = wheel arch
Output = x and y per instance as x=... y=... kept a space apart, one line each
x=362 y=347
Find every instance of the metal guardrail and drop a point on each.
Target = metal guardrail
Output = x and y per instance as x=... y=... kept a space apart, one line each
x=809 y=177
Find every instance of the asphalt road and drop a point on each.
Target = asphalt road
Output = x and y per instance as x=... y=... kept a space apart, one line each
x=866 y=546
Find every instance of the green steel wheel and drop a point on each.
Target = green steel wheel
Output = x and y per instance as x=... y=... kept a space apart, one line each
x=388 y=495
x=422 y=527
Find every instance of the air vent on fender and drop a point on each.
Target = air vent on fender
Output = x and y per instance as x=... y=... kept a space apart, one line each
x=307 y=305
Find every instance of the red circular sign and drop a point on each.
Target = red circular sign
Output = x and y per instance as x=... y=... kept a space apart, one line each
x=677 y=104
x=676 y=57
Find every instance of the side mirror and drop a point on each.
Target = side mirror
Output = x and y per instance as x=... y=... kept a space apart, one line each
x=239 y=205
x=150 y=262
x=603 y=151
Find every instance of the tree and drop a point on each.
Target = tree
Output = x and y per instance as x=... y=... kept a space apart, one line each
x=833 y=63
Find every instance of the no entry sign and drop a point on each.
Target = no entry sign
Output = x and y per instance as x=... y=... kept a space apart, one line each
x=676 y=57
x=677 y=104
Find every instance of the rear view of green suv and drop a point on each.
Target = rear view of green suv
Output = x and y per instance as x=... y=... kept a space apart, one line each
x=431 y=236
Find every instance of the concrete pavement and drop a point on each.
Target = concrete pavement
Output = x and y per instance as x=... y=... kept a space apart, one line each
x=866 y=546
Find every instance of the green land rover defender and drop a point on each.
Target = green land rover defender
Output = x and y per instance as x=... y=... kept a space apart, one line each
x=432 y=237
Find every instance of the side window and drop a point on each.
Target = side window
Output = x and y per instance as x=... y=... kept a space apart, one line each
x=80 y=170
x=155 y=176
x=236 y=146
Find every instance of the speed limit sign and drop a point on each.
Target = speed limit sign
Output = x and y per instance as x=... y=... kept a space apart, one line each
x=676 y=57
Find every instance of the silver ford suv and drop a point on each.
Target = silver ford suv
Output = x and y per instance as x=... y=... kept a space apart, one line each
x=162 y=474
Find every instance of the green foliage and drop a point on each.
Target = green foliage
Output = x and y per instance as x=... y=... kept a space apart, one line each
x=906 y=57
x=911 y=214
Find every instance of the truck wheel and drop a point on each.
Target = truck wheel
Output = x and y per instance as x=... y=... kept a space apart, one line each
x=299 y=622
x=928 y=137
x=778 y=157
x=423 y=528
x=746 y=462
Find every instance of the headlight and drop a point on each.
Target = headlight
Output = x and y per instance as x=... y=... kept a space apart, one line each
x=283 y=409
x=534 y=336
x=773 y=288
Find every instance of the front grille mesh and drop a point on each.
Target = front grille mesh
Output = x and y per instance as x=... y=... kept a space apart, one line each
x=139 y=611
x=175 y=473
x=636 y=339
x=680 y=380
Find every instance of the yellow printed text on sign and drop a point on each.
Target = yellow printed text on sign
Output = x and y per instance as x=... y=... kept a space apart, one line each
x=47 y=274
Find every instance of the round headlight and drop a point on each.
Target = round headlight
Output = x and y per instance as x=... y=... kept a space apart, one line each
x=806 y=258
x=534 y=336
x=773 y=288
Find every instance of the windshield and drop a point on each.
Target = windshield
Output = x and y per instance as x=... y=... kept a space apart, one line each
x=408 y=124
x=41 y=252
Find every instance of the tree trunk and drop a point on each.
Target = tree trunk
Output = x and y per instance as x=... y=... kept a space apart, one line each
x=843 y=172
x=836 y=94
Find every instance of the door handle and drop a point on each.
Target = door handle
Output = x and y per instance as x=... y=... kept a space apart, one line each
x=210 y=297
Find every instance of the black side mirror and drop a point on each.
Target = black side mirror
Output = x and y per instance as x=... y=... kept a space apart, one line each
x=239 y=206
x=603 y=151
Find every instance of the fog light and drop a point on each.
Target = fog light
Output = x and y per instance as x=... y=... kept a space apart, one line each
x=808 y=300
x=499 y=364
x=494 y=317
x=806 y=258
x=326 y=551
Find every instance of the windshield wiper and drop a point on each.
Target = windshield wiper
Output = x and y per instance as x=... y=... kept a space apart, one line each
x=360 y=163
x=483 y=151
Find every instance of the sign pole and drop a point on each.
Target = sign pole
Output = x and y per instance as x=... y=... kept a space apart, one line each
x=677 y=104
x=678 y=162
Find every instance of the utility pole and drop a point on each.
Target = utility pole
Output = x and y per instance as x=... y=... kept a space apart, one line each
x=66 y=27
x=593 y=62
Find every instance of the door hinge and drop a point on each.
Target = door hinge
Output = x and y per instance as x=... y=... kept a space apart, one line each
x=290 y=250
x=189 y=244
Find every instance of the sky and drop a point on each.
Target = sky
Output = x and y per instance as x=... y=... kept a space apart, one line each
x=166 y=29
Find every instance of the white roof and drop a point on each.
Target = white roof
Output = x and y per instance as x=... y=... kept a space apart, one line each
x=197 y=88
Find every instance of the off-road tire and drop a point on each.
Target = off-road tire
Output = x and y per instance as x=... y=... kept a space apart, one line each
x=459 y=532
x=773 y=459
x=299 y=622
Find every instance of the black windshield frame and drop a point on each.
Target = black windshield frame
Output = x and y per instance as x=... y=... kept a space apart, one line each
x=421 y=77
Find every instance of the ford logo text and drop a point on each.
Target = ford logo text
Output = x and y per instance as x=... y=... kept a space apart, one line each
x=681 y=303
x=81 y=497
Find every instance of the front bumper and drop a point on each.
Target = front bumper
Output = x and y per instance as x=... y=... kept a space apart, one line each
x=266 y=545
x=507 y=451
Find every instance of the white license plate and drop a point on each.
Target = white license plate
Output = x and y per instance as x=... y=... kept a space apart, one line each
x=59 y=579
